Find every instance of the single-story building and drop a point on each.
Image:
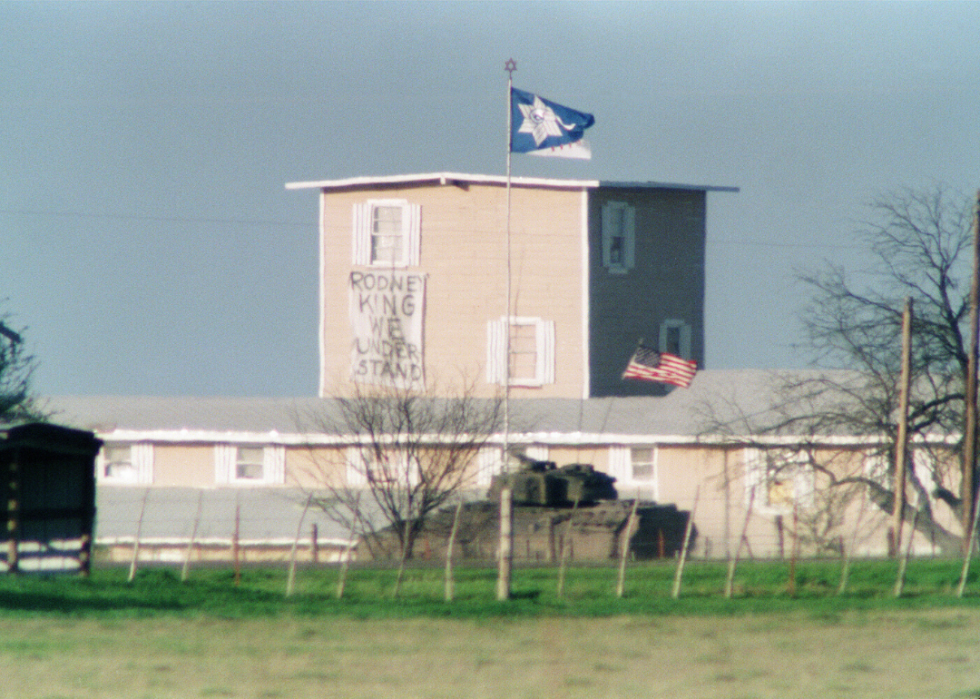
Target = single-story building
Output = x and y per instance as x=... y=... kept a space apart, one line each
x=204 y=468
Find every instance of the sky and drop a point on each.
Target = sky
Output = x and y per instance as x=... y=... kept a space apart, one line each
x=148 y=245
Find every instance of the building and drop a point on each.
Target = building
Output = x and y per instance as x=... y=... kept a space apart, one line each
x=188 y=460
x=414 y=281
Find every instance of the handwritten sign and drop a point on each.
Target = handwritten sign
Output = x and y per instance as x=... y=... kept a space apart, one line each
x=386 y=311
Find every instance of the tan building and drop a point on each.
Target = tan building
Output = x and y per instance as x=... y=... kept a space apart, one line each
x=414 y=281
x=185 y=455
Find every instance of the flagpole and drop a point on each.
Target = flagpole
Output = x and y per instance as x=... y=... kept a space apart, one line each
x=506 y=546
x=510 y=66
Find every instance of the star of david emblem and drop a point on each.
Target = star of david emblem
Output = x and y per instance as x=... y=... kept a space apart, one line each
x=541 y=121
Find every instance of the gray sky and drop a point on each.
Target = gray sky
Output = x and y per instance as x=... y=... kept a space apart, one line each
x=149 y=246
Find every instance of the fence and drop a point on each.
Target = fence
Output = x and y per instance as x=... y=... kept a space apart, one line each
x=266 y=526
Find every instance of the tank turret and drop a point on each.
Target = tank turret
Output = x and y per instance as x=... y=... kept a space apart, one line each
x=544 y=484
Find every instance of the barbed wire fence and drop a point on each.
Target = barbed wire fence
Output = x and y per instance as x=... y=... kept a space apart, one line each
x=187 y=527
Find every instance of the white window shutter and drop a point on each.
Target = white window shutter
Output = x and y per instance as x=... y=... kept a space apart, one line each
x=496 y=351
x=546 y=351
x=487 y=465
x=538 y=452
x=142 y=456
x=629 y=233
x=414 y=234
x=803 y=486
x=225 y=456
x=755 y=477
x=274 y=464
x=355 y=477
x=361 y=239
x=607 y=227
x=620 y=463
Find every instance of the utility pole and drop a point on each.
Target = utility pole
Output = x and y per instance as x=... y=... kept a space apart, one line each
x=970 y=414
x=901 y=438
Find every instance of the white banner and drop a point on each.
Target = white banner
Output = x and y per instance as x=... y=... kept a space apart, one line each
x=386 y=312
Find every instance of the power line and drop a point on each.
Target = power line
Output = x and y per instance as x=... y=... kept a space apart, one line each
x=165 y=219
x=312 y=224
x=770 y=244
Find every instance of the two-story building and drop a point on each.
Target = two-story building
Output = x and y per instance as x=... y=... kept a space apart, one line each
x=416 y=271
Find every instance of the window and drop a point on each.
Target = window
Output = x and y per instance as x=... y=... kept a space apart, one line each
x=523 y=352
x=249 y=464
x=618 y=236
x=393 y=470
x=532 y=351
x=635 y=470
x=777 y=480
x=643 y=464
x=386 y=233
x=117 y=463
x=675 y=338
x=125 y=463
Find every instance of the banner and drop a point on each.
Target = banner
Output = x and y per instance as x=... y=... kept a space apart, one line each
x=386 y=311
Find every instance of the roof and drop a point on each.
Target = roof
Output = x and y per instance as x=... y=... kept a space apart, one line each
x=169 y=514
x=679 y=416
x=444 y=178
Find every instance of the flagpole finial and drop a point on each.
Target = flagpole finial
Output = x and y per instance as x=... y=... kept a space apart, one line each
x=510 y=66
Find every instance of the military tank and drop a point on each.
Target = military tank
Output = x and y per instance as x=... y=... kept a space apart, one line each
x=553 y=502
x=554 y=506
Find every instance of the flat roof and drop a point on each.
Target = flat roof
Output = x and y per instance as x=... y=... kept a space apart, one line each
x=448 y=178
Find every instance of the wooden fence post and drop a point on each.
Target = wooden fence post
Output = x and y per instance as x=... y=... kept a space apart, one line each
x=625 y=547
x=136 y=541
x=450 y=583
x=730 y=579
x=676 y=592
x=190 y=544
x=291 y=577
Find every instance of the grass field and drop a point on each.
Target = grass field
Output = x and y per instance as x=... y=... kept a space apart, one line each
x=158 y=637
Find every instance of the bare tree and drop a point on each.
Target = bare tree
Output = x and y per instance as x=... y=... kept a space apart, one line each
x=410 y=452
x=920 y=244
x=16 y=368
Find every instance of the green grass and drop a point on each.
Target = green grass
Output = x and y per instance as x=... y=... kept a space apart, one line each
x=159 y=638
x=589 y=592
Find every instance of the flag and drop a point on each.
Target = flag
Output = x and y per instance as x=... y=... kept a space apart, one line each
x=650 y=365
x=541 y=127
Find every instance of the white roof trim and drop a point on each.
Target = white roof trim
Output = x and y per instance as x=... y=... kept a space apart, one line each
x=444 y=178
x=150 y=541
x=186 y=437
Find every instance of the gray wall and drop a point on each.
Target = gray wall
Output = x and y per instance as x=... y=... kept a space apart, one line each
x=667 y=281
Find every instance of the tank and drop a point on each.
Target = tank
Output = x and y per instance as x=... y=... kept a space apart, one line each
x=543 y=484
x=553 y=505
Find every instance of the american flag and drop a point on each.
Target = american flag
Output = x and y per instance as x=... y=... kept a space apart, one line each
x=650 y=365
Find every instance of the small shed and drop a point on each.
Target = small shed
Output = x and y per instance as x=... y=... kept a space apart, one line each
x=47 y=498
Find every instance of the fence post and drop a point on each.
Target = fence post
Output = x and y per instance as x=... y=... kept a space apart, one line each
x=190 y=544
x=136 y=541
x=729 y=581
x=903 y=563
x=676 y=592
x=566 y=546
x=235 y=553
x=291 y=578
x=625 y=547
x=450 y=583
x=315 y=545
